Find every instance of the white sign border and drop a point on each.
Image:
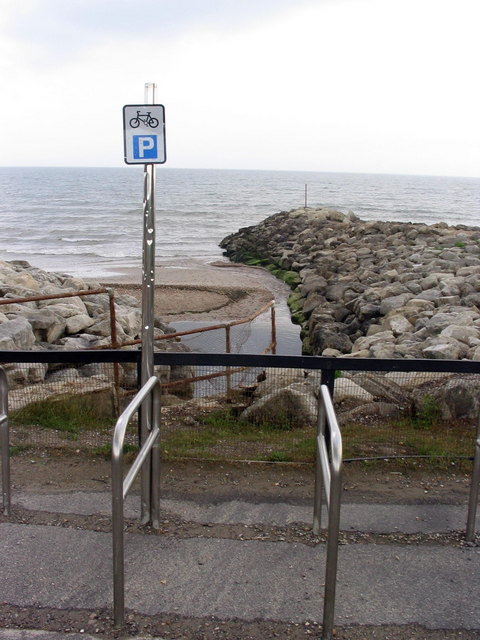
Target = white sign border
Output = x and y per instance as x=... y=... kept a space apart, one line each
x=146 y=130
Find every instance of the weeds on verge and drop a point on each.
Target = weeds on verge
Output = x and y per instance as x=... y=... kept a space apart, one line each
x=70 y=415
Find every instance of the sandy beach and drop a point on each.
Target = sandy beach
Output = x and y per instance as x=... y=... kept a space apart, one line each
x=219 y=291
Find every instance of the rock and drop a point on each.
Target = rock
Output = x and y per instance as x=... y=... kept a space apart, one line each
x=457 y=398
x=288 y=407
x=276 y=378
x=445 y=349
x=46 y=324
x=78 y=323
x=383 y=389
x=395 y=302
x=18 y=331
x=413 y=280
x=347 y=390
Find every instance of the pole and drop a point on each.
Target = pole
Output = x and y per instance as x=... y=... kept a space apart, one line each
x=148 y=313
x=305 y=196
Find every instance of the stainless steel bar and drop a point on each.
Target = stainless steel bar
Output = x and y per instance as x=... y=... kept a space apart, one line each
x=148 y=312
x=328 y=481
x=325 y=466
x=474 y=491
x=148 y=291
x=5 y=443
x=117 y=539
x=318 y=495
x=155 y=496
x=332 y=557
x=120 y=488
x=139 y=460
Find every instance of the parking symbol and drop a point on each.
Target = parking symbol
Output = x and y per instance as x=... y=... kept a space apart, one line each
x=145 y=147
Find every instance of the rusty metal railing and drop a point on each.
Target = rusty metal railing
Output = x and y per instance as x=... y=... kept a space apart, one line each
x=80 y=294
x=115 y=344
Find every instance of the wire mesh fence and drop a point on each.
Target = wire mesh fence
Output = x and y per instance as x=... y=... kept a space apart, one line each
x=241 y=412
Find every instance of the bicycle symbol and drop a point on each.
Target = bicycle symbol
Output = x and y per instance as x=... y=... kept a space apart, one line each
x=146 y=118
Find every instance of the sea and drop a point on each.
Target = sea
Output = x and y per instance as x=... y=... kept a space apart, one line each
x=88 y=221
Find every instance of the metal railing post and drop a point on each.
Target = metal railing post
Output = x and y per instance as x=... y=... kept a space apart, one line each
x=274 y=329
x=115 y=345
x=228 y=349
x=5 y=443
x=474 y=491
x=328 y=472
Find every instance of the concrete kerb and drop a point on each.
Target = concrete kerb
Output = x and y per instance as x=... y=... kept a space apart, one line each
x=373 y=518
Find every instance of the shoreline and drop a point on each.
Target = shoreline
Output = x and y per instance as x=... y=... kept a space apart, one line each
x=217 y=292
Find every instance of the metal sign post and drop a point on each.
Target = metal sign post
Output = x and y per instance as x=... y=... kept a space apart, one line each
x=144 y=143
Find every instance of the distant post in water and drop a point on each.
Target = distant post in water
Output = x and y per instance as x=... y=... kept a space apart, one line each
x=305 y=196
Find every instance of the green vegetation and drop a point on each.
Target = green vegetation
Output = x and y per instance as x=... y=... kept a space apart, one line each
x=460 y=244
x=222 y=435
x=296 y=308
x=105 y=451
x=18 y=449
x=428 y=415
x=69 y=414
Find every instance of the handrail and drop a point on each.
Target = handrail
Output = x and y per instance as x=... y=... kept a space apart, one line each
x=328 y=471
x=121 y=485
x=5 y=442
x=474 y=491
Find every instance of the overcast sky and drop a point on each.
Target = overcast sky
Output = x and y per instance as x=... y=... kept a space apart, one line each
x=381 y=86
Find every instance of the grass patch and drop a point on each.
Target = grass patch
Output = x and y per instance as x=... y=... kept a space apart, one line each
x=428 y=414
x=105 y=451
x=220 y=434
x=69 y=414
x=18 y=449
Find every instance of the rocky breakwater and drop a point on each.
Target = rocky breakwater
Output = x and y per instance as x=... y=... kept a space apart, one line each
x=372 y=288
x=69 y=323
x=376 y=290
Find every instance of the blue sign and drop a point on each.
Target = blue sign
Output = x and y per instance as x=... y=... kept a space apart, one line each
x=144 y=147
x=144 y=134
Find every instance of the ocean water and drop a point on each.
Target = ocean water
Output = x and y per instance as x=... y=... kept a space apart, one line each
x=88 y=221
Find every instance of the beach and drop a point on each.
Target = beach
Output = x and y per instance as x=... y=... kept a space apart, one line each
x=216 y=292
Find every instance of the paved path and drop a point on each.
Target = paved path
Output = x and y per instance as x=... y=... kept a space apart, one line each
x=379 y=584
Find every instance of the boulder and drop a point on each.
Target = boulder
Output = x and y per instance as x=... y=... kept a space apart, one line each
x=457 y=398
x=17 y=331
x=346 y=390
x=285 y=408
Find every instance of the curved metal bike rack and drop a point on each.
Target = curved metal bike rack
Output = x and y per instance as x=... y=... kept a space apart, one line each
x=149 y=454
x=328 y=472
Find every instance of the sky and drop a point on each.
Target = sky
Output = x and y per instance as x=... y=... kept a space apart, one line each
x=370 y=86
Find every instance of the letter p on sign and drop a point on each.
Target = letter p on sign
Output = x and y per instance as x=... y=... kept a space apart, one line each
x=144 y=147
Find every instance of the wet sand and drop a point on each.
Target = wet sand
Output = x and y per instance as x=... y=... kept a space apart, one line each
x=219 y=291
